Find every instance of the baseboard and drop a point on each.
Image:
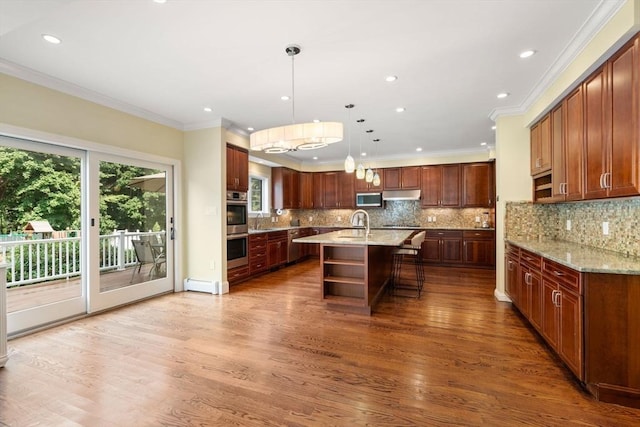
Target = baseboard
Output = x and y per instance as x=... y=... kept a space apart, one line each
x=501 y=296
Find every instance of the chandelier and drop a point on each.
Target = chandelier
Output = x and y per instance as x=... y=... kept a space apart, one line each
x=296 y=136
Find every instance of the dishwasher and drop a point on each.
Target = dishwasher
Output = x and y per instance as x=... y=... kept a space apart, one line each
x=294 y=248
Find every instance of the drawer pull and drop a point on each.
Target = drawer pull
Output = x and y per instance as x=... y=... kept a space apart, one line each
x=528 y=258
x=558 y=273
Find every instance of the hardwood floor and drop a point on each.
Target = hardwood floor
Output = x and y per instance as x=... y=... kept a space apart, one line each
x=269 y=353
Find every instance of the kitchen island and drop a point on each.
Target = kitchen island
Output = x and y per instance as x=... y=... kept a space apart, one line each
x=355 y=267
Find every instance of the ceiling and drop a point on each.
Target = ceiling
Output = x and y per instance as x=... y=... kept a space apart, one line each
x=166 y=62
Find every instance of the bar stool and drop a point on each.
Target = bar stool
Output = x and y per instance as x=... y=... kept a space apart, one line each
x=413 y=249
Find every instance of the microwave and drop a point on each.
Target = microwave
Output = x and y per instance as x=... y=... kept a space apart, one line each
x=369 y=199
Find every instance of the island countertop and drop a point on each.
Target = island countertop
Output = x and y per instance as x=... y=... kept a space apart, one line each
x=357 y=237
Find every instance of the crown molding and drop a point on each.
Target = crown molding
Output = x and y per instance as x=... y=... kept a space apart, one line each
x=594 y=24
x=41 y=79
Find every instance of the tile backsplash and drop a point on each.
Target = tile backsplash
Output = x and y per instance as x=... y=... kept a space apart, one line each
x=395 y=213
x=534 y=221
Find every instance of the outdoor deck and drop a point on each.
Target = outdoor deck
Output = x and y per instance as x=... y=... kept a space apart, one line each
x=29 y=296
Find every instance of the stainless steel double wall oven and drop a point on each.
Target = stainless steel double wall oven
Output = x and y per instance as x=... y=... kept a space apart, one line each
x=237 y=229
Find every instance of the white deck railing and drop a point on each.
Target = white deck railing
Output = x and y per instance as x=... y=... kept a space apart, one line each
x=34 y=261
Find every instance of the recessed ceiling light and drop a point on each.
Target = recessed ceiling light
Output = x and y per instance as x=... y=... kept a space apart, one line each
x=483 y=143
x=285 y=97
x=250 y=129
x=527 y=53
x=400 y=109
x=316 y=120
x=160 y=1
x=391 y=78
x=315 y=157
x=363 y=154
x=493 y=128
x=503 y=95
x=207 y=109
x=51 y=39
x=419 y=149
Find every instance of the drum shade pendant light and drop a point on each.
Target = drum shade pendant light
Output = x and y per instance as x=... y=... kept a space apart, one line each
x=296 y=136
x=360 y=169
x=349 y=163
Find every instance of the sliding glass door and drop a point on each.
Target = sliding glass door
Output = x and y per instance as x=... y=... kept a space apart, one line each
x=130 y=230
x=41 y=199
x=81 y=231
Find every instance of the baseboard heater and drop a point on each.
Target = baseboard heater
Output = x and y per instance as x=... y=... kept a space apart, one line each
x=209 y=286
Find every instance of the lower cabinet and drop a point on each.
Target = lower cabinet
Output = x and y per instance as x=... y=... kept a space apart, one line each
x=277 y=249
x=549 y=295
x=590 y=320
x=257 y=253
x=238 y=274
x=460 y=248
x=479 y=248
x=442 y=247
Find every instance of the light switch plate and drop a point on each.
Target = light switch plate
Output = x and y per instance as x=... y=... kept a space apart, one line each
x=568 y=225
x=605 y=228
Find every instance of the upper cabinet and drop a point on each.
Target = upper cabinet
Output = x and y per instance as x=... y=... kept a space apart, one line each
x=541 y=146
x=440 y=186
x=237 y=168
x=595 y=134
x=363 y=186
x=285 y=188
x=339 y=190
x=477 y=185
x=306 y=190
x=405 y=178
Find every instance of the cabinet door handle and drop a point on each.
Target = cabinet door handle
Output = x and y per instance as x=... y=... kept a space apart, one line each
x=558 y=299
x=602 y=181
x=607 y=182
x=510 y=265
x=553 y=297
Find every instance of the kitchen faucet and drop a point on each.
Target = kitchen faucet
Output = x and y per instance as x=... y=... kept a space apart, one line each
x=256 y=224
x=366 y=215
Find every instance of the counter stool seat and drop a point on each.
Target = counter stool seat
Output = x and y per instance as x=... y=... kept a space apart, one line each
x=413 y=249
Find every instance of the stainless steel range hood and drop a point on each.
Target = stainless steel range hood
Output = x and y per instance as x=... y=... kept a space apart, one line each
x=401 y=195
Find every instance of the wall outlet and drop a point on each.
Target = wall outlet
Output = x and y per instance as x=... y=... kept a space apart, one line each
x=428 y=219
x=273 y=219
x=212 y=265
x=310 y=219
x=339 y=218
x=568 y=225
x=605 y=228
x=434 y=219
x=477 y=219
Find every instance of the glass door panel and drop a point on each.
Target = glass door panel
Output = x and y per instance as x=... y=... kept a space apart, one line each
x=40 y=232
x=132 y=250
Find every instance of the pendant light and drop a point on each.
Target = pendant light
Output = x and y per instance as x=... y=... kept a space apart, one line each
x=376 y=176
x=368 y=177
x=349 y=163
x=296 y=136
x=360 y=169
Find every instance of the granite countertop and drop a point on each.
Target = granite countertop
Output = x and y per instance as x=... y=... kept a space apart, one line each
x=357 y=237
x=582 y=258
x=348 y=227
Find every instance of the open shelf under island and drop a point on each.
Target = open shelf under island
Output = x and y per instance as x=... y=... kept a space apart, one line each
x=355 y=267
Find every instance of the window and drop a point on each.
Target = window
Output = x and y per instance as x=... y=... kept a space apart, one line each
x=258 y=195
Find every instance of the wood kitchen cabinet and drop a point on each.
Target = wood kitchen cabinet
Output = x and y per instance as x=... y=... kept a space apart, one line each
x=477 y=185
x=541 y=146
x=440 y=186
x=442 y=247
x=362 y=186
x=306 y=190
x=567 y=139
x=404 y=178
x=237 y=168
x=594 y=135
x=285 y=188
x=590 y=320
x=479 y=248
x=339 y=190
x=318 y=190
x=277 y=248
x=258 y=253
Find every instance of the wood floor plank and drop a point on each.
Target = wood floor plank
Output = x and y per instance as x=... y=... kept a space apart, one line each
x=271 y=353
